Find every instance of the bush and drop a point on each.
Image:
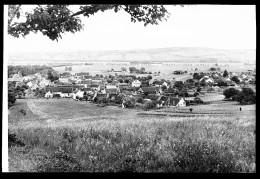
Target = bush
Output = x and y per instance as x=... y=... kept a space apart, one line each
x=149 y=105
x=139 y=100
x=22 y=111
x=230 y=92
x=11 y=97
x=247 y=96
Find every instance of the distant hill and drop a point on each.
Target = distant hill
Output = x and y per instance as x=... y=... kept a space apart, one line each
x=174 y=54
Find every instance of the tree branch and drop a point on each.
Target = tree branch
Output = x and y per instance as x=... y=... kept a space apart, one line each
x=13 y=15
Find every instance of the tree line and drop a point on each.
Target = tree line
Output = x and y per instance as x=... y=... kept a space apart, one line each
x=28 y=70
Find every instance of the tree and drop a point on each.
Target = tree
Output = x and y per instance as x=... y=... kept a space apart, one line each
x=212 y=69
x=120 y=80
x=54 y=20
x=123 y=69
x=178 y=84
x=163 y=88
x=149 y=77
x=11 y=98
x=198 y=89
x=189 y=81
x=211 y=89
x=142 y=69
x=246 y=96
x=230 y=92
x=126 y=81
x=225 y=74
x=235 y=79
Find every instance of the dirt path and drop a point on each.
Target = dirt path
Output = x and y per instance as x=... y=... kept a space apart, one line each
x=37 y=111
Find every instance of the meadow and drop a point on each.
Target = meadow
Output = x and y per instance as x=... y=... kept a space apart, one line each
x=113 y=139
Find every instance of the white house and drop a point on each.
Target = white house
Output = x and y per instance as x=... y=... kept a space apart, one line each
x=181 y=103
x=78 y=94
x=45 y=82
x=48 y=95
x=64 y=80
x=136 y=83
x=29 y=84
x=34 y=86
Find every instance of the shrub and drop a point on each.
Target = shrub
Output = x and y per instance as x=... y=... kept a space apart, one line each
x=22 y=111
x=139 y=100
x=149 y=105
x=13 y=140
x=230 y=92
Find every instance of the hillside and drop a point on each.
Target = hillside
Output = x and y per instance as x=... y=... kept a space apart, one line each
x=175 y=54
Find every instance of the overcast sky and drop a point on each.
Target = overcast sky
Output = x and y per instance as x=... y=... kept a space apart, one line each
x=211 y=26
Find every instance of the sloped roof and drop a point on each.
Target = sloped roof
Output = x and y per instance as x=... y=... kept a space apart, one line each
x=112 y=90
x=123 y=84
x=85 y=82
x=82 y=73
x=86 y=89
x=100 y=95
x=149 y=89
x=158 y=82
x=67 y=90
x=154 y=97
x=165 y=98
x=136 y=81
x=53 y=89
x=93 y=86
x=126 y=92
x=174 y=100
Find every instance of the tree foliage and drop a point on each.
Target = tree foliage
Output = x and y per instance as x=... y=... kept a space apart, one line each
x=246 y=96
x=235 y=79
x=54 y=20
x=230 y=92
x=225 y=74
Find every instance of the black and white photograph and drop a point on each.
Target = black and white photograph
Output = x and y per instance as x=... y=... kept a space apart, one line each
x=129 y=88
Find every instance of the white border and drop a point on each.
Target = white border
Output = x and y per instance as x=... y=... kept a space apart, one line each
x=5 y=96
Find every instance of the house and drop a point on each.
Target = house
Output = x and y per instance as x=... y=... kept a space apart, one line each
x=111 y=91
x=206 y=79
x=64 y=80
x=44 y=82
x=178 y=102
x=93 y=86
x=17 y=78
x=34 y=86
x=66 y=92
x=160 y=83
x=150 y=90
x=53 y=90
x=109 y=86
x=136 y=83
x=28 y=78
x=29 y=84
x=87 y=90
x=85 y=83
x=48 y=95
x=99 y=96
x=78 y=93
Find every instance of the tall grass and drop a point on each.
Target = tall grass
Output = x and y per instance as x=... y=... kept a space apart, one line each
x=158 y=146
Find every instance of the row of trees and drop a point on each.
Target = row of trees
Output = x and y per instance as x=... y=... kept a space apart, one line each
x=246 y=96
x=28 y=69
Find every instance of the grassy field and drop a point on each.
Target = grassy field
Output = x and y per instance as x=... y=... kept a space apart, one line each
x=165 y=70
x=84 y=137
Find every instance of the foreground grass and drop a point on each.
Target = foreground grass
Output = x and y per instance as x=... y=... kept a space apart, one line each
x=139 y=146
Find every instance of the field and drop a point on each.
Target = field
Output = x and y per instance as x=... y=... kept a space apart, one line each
x=67 y=135
x=165 y=70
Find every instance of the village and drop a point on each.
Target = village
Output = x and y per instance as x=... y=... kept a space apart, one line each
x=126 y=90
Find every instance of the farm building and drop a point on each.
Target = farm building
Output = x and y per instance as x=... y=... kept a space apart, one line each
x=150 y=90
x=48 y=95
x=136 y=83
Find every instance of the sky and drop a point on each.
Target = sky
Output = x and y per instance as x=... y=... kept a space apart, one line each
x=210 y=26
